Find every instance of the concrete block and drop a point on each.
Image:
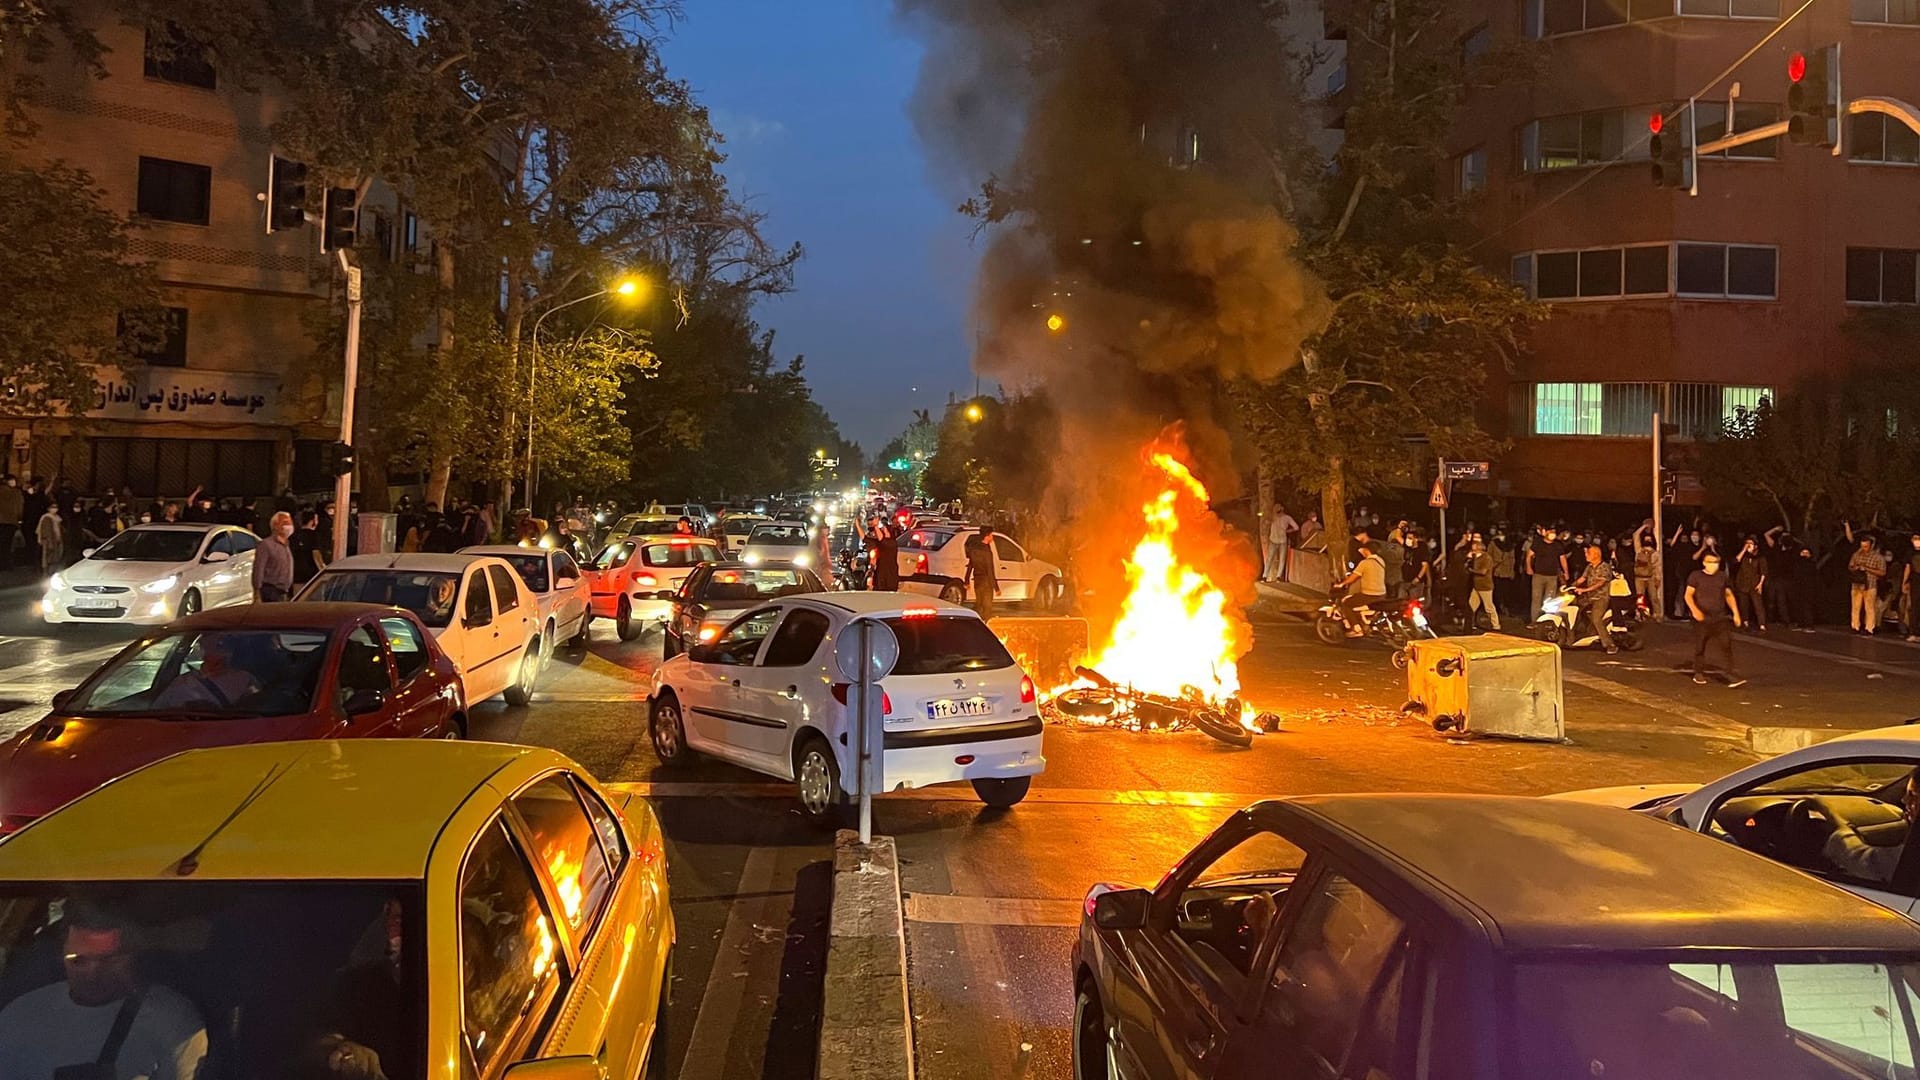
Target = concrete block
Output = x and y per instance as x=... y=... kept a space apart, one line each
x=1770 y=741
x=866 y=1030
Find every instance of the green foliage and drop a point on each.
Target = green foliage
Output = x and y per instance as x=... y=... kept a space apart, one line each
x=580 y=407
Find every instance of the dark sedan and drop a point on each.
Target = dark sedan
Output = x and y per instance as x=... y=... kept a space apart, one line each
x=1443 y=937
x=259 y=673
x=716 y=592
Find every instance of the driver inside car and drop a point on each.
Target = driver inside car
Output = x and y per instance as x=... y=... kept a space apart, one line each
x=1855 y=856
x=220 y=681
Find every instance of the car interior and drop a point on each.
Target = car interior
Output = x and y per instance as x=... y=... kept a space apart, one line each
x=419 y=593
x=1227 y=917
x=1790 y=818
x=281 y=973
x=279 y=672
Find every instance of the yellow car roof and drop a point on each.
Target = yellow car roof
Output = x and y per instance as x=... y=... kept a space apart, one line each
x=355 y=809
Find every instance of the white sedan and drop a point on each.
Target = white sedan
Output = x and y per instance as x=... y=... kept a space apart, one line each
x=781 y=542
x=479 y=610
x=1842 y=810
x=766 y=694
x=559 y=586
x=933 y=560
x=149 y=574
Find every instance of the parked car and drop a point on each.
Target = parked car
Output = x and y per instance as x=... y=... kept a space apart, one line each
x=1458 y=937
x=789 y=541
x=257 y=673
x=559 y=587
x=713 y=594
x=480 y=611
x=933 y=561
x=457 y=909
x=767 y=695
x=1789 y=807
x=641 y=525
x=633 y=581
x=150 y=574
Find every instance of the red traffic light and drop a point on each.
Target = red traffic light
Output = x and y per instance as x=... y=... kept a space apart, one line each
x=1797 y=67
x=1656 y=122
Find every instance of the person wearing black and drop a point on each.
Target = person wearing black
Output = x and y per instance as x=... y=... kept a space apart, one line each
x=1709 y=600
x=982 y=573
x=1803 y=580
x=883 y=557
x=308 y=549
x=1749 y=584
x=442 y=535
x=33 y=507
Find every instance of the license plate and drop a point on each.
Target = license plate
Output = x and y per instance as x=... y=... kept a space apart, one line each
x=948 y=710
x=95 y=602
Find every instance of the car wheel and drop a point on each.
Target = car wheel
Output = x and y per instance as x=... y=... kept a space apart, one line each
x=624 y=623
x=667 y=731
x=190 y=603
x=521 y=692
x=1089 y=1034
x=817 y=775
x=1002 y=793
x=1329 y=630
x=581 y=639
x=546 y=645
x=954 y=593
x=456 y=728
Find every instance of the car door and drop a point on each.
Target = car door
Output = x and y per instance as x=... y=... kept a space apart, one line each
x=773 y=692
x=714 y=708
x=569 y=584
x=363 y=672
x=488 y=654
x=419 y=708
x=1011 y=570
x=1185 y=994
x=513 y=978
x=244 y=546
x=213 y=573
x=515 y=612
x=607 y=578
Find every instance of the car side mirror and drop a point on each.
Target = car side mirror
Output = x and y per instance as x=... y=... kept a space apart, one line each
x=705 y=654
x=565 y=582
x=362 y=702
x=87 y=553
x=60 y=699
x=1122 y=909
x=217 y=556
x=579 y=1067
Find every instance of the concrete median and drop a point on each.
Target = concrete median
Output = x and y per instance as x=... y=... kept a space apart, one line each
x=865 y=1027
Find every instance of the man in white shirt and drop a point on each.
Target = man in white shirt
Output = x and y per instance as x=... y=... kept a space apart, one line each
x=102 y=1020
x=1859 y=858
x=1280 y=530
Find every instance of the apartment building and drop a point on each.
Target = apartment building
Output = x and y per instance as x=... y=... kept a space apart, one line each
x=240 y=398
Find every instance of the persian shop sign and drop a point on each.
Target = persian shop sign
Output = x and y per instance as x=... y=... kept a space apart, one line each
x=187 y=394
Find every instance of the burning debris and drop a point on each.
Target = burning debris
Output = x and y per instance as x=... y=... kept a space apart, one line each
x=1097 y=701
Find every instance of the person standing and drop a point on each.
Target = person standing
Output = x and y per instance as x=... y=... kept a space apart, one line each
x=1749 y=585
x=33 y=506
x=1506 y=568
x=1309 y=529
x=1709 y=599
x=883 y=558
x=1865 y=569
x=1907 y=575
x=1280 y=530
x=1480 y=573
x=1803 y=575
x=273 y=562
x=982 y=574
x=12 y=505
x=51 y=536
x=1547 y=565
x=308 y=549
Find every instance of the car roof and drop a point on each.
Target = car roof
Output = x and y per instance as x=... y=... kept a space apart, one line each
x=654 y=538
x=501 y=550
x=882 y=604
x=336 y=810
x=1898 y=740
x=319 y=615
x=794 y=523
x=1541 y=874
x=178 y=526
x=428 y=562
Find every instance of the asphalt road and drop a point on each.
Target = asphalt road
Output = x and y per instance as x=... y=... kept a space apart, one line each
x=993 y=896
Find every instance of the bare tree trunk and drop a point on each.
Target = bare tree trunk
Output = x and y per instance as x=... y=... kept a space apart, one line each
x=1333 y=513
x=1263 y=509
x=440 y=465
x=516 y=320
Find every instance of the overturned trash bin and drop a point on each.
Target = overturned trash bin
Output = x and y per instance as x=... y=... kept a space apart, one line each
x=1493 y=684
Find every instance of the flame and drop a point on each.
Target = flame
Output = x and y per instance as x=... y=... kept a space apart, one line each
x=1178 y=627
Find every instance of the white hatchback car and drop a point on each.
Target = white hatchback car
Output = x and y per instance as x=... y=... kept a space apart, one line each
x=933 y=560
x=558 y=585
x=1787 y=808
x=149 y=574
x=767 y=695
x=479 y=610
x=782 y=542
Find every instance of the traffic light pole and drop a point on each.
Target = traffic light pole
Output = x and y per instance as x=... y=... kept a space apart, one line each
x=343 y=484
x=1659 y=525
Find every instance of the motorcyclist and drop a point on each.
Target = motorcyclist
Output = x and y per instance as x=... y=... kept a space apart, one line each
x=1590 y=592
x=1366 y=586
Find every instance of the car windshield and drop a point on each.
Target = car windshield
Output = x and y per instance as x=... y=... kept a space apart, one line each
x=927 y=539
x=748 y=586
x=679 y=553
x=739 y=527
x=778 y=536
x=1842 y=778
x=152 y=545
x=941 y=645
x=215 y=674
x=532 y=570
x=262 y=978
x=428 y=595
x=1694 y=1015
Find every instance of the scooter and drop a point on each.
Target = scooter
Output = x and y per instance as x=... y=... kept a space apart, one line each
x=1563 y=622
x=1393 y=623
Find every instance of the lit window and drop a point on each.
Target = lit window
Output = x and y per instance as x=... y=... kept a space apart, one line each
x=1582 y=139
x=1566 y=409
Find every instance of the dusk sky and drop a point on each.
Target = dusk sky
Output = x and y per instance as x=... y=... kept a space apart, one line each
x=812 y=99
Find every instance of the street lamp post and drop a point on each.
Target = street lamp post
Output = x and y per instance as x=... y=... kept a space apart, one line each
x=624 y=287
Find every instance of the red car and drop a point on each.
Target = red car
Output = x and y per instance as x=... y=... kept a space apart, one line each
x=257 y=673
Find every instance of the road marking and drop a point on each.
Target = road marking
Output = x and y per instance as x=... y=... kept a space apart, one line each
x=716 y=1035
x=574 y=698
x=1849 y=661
x=991 y=910
x=957 y=793
x=1723 y=726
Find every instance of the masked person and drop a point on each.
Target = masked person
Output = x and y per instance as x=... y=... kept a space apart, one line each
x=273 y=563
x=1709 y=599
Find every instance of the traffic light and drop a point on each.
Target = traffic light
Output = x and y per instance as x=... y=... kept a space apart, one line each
x=342 y=213
x=1670 y=151
x=1669 y=487
x=286 y=194
x=337 y=459
x=1813 y=97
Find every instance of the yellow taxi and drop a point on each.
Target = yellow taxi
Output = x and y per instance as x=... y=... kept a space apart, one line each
x=365 y=908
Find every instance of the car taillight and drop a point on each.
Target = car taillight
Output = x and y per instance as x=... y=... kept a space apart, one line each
x=1412 y=609
x=841 y=691
x=919 y=613
x=646 y=579
x=920 y=565
x=1026 y=690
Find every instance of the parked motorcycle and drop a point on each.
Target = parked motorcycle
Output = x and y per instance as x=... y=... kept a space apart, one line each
x=1563 y=622
x=1392 y=622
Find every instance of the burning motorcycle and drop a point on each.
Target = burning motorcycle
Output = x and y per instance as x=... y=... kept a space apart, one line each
x=1392 y=622
x=1563 y=622
x=1108 y=703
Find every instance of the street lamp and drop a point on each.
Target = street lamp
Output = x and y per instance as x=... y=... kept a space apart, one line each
x=973 y=413
x=627 y=287
x=1056 y=323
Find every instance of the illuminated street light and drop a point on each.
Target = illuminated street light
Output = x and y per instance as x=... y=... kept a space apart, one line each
x=626 y=288
x=973 y=413
x=1056 y=323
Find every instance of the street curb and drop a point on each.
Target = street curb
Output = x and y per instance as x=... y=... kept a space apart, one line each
x=1773 y=741
x=865 y=1028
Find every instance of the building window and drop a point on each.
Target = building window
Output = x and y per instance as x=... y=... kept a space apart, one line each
x=1727 y=271
x=1550 y=18
x=410 y=234
x=1896 y=12
x=171 y=56
x=1625 y=410
x=1337 y=79
x=1470 y=172
x=1609 y=273
x=172 y=350
x=1477 y=43
x=1732 y=9
x=383 y=236
x=1571 y=142
x=1881 y=139
x=1710 y=123
x=1881 y=276
x=174 y=191
x=1566 y=409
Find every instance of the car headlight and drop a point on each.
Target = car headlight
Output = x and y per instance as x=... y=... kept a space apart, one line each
x=162 y=585
x=751 y=558
x=56 y=582
x=802 y=560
